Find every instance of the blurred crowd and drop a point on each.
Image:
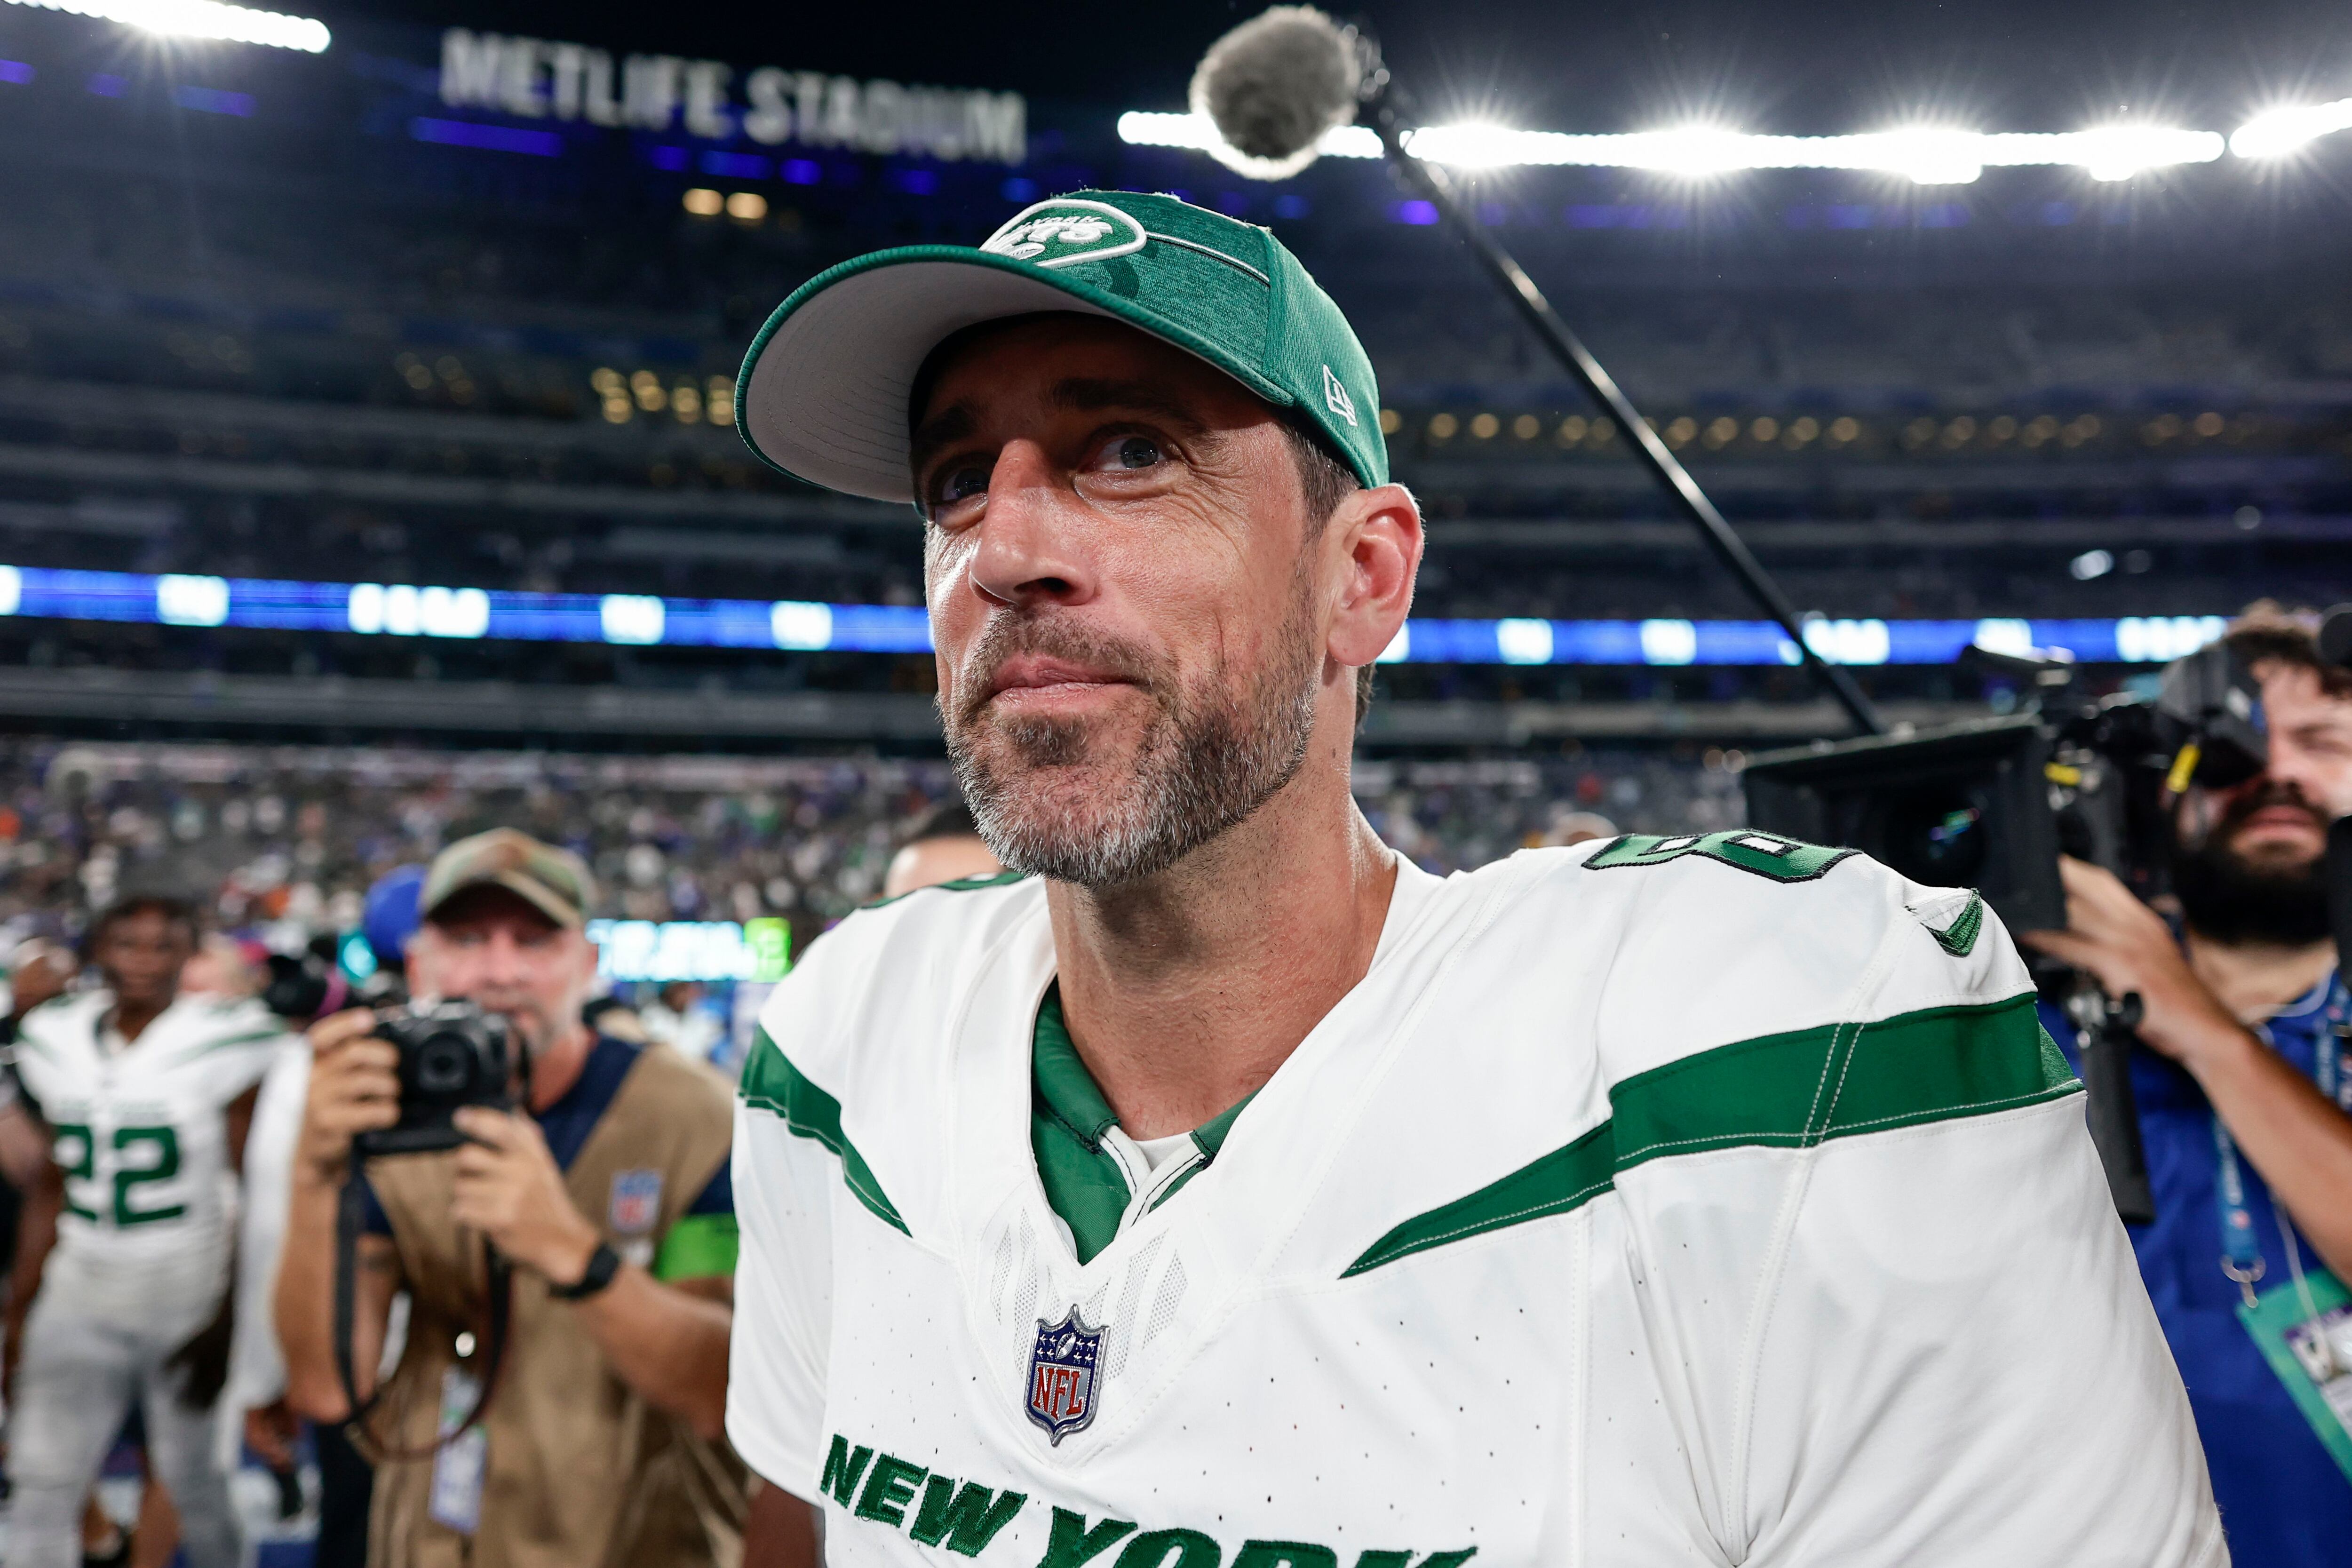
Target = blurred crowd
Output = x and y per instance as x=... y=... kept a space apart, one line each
x=278 y=844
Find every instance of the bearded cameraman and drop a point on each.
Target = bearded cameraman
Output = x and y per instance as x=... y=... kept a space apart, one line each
x=605 y=1201
x=2242 y=1097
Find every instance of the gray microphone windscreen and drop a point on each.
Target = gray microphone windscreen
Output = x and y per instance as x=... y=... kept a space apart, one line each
x=1273 y=86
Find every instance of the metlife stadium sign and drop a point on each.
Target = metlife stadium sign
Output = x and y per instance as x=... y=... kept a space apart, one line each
x=536 y=79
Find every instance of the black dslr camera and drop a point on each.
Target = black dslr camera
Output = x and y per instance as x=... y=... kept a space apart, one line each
x=452 y=1054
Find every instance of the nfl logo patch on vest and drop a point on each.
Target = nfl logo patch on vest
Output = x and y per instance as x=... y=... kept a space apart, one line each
x=1062 y=1392
x=636 y=1201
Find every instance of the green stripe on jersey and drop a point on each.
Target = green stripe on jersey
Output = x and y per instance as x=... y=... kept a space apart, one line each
x=1560 y=1181
x=1797 y=1089
x=1790 y=1091
x=771 y=1083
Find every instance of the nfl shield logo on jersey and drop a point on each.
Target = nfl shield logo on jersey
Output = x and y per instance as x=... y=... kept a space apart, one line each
x=1062 y=1375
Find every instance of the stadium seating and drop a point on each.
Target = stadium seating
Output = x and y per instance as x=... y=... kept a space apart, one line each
x=282 y=841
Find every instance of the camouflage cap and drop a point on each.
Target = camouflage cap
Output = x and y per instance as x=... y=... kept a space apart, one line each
x=551 y=880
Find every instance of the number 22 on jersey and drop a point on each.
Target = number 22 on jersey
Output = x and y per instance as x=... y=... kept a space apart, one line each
x=137 y=1157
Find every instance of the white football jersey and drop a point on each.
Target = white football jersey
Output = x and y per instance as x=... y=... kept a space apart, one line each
x=142 y=1137
x=1705 y=1200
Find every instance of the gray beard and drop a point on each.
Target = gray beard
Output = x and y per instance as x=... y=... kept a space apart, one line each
x=1209 y=759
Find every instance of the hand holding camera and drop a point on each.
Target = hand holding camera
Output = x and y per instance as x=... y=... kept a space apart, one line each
x=433 y=1077
x=392 y=1082
x=2125 y=946
x=451 y=1055
x=354 y=1088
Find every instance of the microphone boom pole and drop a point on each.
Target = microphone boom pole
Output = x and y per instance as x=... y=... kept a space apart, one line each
x=1437 y=188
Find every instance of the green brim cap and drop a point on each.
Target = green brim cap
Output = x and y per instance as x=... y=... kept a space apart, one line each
x=823 y=394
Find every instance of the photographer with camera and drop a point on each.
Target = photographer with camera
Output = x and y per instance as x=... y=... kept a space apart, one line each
x=2242 y=1097
x=560 y=1390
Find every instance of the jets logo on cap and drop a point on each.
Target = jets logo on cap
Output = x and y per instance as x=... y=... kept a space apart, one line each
x=1336 y=399
x=1058 y=233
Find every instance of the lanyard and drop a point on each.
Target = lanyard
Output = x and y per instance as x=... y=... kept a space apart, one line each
x=2242 y=1250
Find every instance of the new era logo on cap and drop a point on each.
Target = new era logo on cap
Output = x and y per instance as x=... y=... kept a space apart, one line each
x=1336 y=399
x=1057 y=233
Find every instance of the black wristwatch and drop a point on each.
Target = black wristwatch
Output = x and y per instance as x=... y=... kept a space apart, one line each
x=603 y=1263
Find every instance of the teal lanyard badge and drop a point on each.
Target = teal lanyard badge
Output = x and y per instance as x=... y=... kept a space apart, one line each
x=2304 y=1329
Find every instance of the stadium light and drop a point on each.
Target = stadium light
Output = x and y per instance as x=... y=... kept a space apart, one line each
x=2276 y=132
x=200 y=19
x=1927 y=154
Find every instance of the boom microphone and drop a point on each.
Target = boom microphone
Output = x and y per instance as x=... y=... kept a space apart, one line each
x=1274 y=85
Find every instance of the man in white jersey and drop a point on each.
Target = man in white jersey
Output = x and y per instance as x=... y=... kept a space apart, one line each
x=147 y=1095
x=1218 y=1189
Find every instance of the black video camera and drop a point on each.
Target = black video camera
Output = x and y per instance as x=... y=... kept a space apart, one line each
x=452 y=1054
x=1992 y=803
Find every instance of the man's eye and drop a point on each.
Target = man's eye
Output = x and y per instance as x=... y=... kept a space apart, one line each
x=962 y=483
x=1134 y=452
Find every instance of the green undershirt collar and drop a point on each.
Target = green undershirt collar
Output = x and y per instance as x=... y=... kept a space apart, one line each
x=1085 y=1182
x=1065 y=1090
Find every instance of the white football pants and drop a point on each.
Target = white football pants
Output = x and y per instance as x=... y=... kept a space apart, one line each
x=74 y=1388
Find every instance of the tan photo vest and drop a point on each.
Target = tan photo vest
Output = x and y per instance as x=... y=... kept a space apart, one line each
x=581 y=1470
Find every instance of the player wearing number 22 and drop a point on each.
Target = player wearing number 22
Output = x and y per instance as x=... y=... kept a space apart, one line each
x=1220 y=1190
x=147 y=1095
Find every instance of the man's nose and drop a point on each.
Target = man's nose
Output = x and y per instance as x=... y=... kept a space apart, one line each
x=2291 y=770
x=501 y=960
x=1031 y=544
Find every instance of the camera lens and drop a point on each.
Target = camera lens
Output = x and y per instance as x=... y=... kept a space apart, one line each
x=1934 y=834
x=445 y=1065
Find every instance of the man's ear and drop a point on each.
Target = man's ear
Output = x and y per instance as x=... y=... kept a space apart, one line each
x=585 y=956
x=1377 y=535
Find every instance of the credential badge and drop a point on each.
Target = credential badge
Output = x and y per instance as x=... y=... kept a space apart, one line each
x=636 y=1201
x=1062 y=1392
x=1058 y=233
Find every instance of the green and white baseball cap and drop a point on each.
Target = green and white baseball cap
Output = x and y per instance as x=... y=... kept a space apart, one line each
x=822 y=395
